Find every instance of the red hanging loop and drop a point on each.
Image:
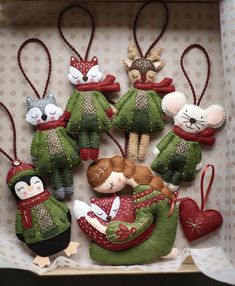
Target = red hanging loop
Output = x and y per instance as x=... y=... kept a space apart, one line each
x=161 y=33
x=204 y=198
x=37 y=41
x=92 y=30
x=14 y=160
x=196 y=46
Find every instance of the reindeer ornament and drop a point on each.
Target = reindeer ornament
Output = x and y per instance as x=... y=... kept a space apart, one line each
x=139 y=110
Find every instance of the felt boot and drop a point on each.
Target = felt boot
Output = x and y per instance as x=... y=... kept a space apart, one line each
x=68 y=191
x=85 y=154
x=72 y=248
x=94 y=153
x=59 y=194
x=41 y=261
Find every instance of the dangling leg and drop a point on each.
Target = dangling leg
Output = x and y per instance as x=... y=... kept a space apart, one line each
x=94 y=145
x=133 y=146
x=84 y=144
x=41 y=261
x=144 y=145
x=57 y=184
x=67 y=178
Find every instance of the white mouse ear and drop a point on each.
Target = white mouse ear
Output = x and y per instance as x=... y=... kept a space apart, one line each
x=215 y=116
x=173 y=102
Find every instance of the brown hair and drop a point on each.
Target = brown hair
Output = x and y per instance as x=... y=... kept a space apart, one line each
x=99 y=171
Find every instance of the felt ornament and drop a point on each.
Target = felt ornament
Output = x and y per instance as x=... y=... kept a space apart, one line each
x=139 y=111
x=127 y=229
x=42 y=222
x=53 y=151
x=179 y=154
x=89 y=112
x=197 y=222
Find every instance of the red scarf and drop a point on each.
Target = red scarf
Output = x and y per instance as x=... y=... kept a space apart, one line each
x=164 y=86
x=61 y=122
x=205 y=136
x=106 y=85
x=25 y=205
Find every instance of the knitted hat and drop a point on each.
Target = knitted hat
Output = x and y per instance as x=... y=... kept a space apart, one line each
x=18 y=171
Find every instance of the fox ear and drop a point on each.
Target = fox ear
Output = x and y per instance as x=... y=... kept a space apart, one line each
x=73 y=61
x=94 y=60
x=29 y=100
x=173 y=102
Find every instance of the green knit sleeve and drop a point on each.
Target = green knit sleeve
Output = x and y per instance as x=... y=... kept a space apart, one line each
x=198 y=152
x=165 y=141
x=157 y=100
x=124 y=98
x=71 y=102
x=102 y=100
x=18 y=225
x=59 y=204
x=35 y=147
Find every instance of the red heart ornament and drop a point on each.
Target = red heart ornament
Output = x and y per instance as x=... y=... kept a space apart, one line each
x=195 y=222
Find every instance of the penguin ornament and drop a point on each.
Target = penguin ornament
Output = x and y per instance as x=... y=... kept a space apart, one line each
x=42 y=222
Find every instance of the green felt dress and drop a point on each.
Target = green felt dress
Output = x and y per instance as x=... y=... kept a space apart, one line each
x=177 y=159
x=158 y=244
x=139 y=111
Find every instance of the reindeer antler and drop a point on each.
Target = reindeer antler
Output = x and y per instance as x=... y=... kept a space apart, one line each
x=155 y=54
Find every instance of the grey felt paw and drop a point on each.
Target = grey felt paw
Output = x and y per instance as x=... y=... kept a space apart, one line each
x=59 y=194
x=68 y=191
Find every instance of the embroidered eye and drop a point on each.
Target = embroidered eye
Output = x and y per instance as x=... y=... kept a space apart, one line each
x=34 y=117
x=94 y=75
x=75 y=77
x=37 y=182
x=52 y=113
x=20 y=189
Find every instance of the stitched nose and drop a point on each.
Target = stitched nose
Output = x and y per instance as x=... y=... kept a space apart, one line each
x=108 y=218
x=192 y=120
x=85 y=78
x=44 y=117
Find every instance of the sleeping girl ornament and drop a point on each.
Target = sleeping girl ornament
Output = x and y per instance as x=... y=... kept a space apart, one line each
x=139 y=111
x=179 y=153
x=42 y=222
x=88 y=111
x=127 y=229
x=53 y=151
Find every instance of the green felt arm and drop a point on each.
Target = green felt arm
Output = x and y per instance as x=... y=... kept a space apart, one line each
x=18 y=225
x=61 y=205
x=124 y=98
x=120 y=232
x=157 y=100
x=35 y=147
x=165 y=141
x=71 y=102
x=102 y=100
x=198 y=154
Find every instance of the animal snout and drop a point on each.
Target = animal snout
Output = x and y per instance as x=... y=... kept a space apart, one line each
x=85 y=78
x=44 y=117
x=108 y=218
x=192 y=120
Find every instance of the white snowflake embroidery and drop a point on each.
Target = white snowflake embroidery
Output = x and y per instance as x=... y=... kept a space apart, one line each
x=195 y=226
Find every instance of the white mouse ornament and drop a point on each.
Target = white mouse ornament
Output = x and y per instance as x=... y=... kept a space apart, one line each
x=179 y=154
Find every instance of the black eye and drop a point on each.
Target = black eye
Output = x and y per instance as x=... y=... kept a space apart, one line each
x=202 y=117
x=186 y=110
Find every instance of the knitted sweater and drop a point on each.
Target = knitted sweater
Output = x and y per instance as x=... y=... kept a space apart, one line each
x=49 y=219
x=50 y=144
x=78 y=106
x=139 y=111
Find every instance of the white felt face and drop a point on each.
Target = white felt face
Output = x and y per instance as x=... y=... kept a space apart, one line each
x=37 y=116
x=76 y=77
x=25 y=191
x=115 y=183
x=191 y=118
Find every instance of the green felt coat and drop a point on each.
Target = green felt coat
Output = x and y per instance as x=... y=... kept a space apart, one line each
x=58 y=213
x=145 y=119
x=41 y=155
x=167 y=147
x=75 y=107
x=158 y=244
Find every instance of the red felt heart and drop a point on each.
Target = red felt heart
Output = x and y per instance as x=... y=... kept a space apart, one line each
x=197 y=223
